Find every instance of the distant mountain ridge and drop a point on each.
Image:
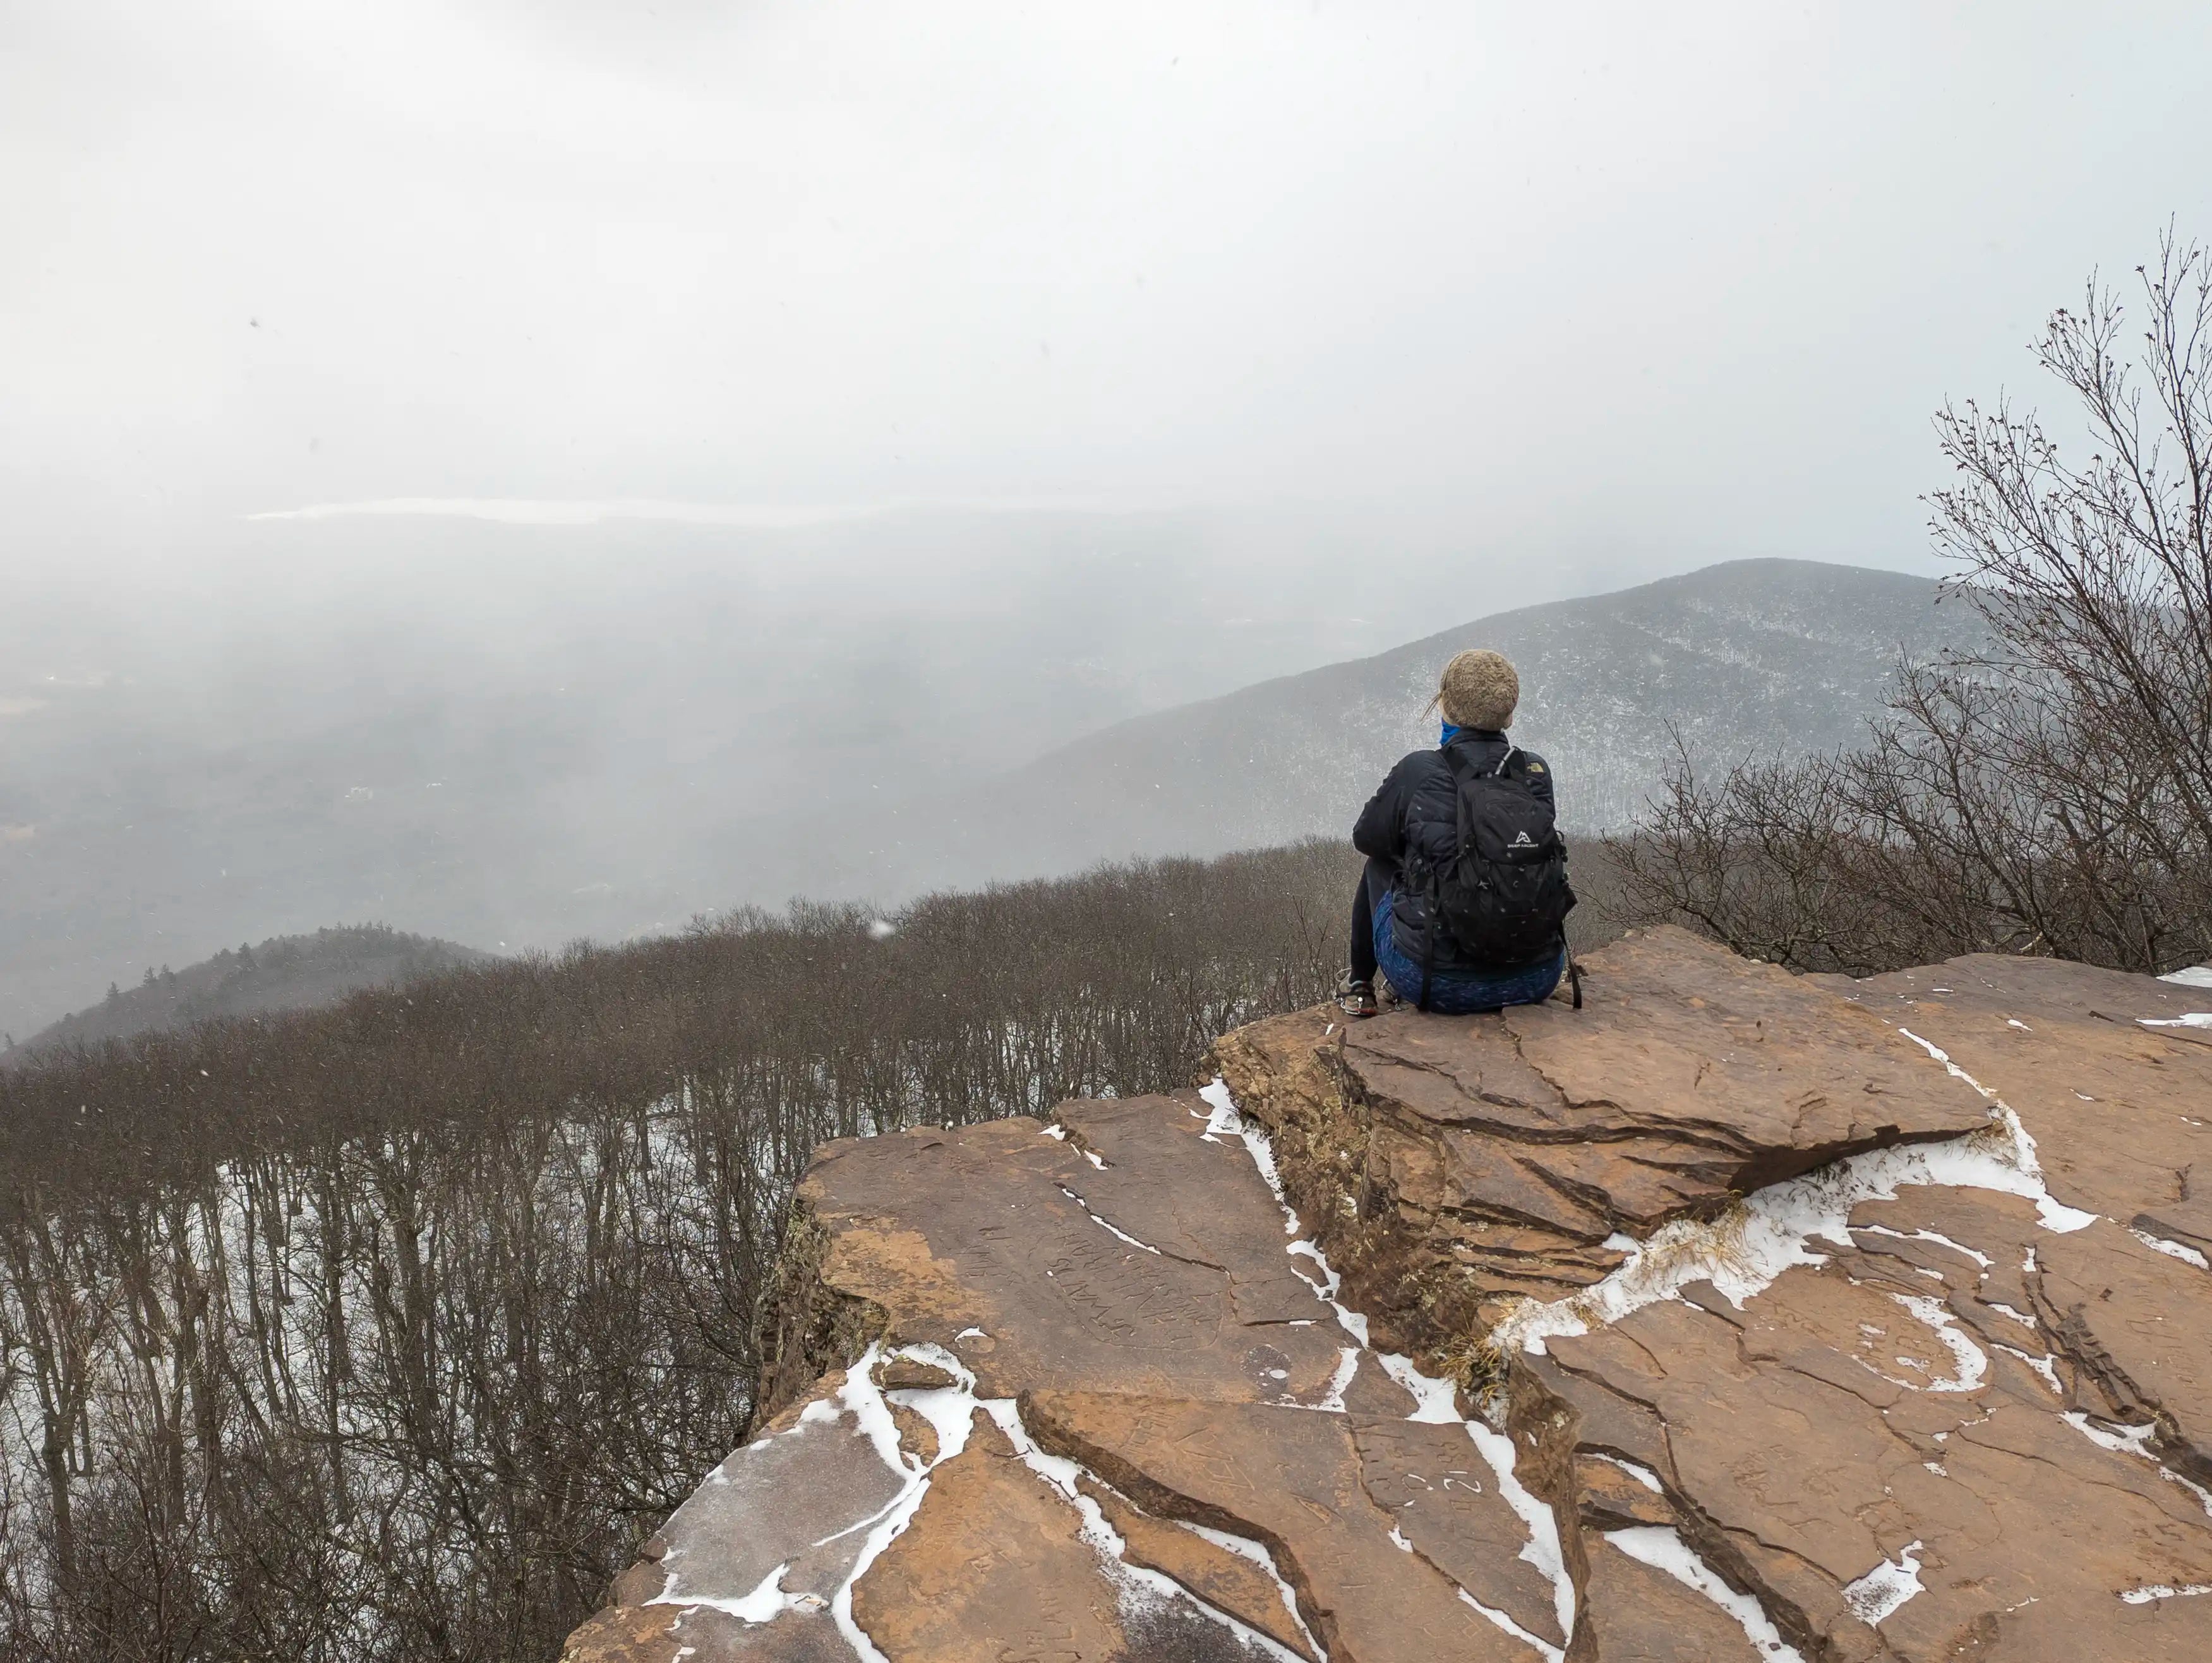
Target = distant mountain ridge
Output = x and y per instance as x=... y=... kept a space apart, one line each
x=472 y=796
x=284 y=973
x=529 y=734
x=1750 y=657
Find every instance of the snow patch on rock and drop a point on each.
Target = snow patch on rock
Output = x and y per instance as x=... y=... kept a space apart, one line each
x=1880 y=1593
x=1968 y=1358
x=1435 y=1401
x=1664 y=1549
x=1742 y=1252
x=1643 y=1475
x=2160 y=1591
x=2187 y=1255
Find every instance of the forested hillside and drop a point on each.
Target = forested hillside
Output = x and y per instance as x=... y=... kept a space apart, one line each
x=388 y=1329
x=284 y=973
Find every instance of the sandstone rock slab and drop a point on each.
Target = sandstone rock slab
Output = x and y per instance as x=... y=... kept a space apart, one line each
x=1293 y=1480
x=1223 y=1578
x=1684 y=1039
x=791 y=1498
x=1846 y=1352
x=981 y=1242
x=1443 y=1499
x=2120 y=1112
x=1641 y=1615
x=700 y=1634
x=994 y=1565
x=1506 y=1156
x=1967 y=1419
x=1832 y=1427
x=1130 y=1253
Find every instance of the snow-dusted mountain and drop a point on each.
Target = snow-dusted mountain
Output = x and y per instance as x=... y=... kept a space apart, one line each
x=527 y=762
x=1750 y=656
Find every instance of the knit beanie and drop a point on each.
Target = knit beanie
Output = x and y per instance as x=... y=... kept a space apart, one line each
x=1480 y=689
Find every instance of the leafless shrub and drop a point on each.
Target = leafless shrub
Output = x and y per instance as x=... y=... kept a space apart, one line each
x=2052 y=794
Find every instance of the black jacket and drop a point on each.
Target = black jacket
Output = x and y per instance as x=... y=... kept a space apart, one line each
x=1414 y=818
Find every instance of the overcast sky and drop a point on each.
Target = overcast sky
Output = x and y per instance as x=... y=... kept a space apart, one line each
x=1680 y=281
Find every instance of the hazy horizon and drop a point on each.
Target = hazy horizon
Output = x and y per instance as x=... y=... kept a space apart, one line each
x=566 y=733
x=632 y=409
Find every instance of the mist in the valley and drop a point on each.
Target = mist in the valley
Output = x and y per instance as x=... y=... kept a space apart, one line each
x=512 y=737
x=520 y=472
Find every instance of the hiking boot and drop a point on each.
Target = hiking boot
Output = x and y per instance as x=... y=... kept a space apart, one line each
x=1356 y=998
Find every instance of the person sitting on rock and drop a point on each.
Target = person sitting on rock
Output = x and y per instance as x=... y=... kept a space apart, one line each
x=1464 y=902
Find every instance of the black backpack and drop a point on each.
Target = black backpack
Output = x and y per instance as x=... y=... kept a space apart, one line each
x=1504 y=895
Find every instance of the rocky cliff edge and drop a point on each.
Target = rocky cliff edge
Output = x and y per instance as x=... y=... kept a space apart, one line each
x=1736 y=1316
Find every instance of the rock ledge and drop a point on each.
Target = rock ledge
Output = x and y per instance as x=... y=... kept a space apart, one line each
x=1736 y=1316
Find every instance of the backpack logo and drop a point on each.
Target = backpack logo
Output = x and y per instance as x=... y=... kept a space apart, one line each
x=1522 y=841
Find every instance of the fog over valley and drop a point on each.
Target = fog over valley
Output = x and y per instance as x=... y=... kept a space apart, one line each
x=514 y=734
x=516 y=473
x=553 y=733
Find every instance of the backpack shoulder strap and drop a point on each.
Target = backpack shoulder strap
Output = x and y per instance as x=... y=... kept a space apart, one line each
x=1453 y=759
x=1437 y=876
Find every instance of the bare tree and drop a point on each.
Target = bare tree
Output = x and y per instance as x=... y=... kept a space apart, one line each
x=2052 y=792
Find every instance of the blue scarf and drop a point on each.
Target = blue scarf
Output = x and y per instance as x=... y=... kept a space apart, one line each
x=1450 y=733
